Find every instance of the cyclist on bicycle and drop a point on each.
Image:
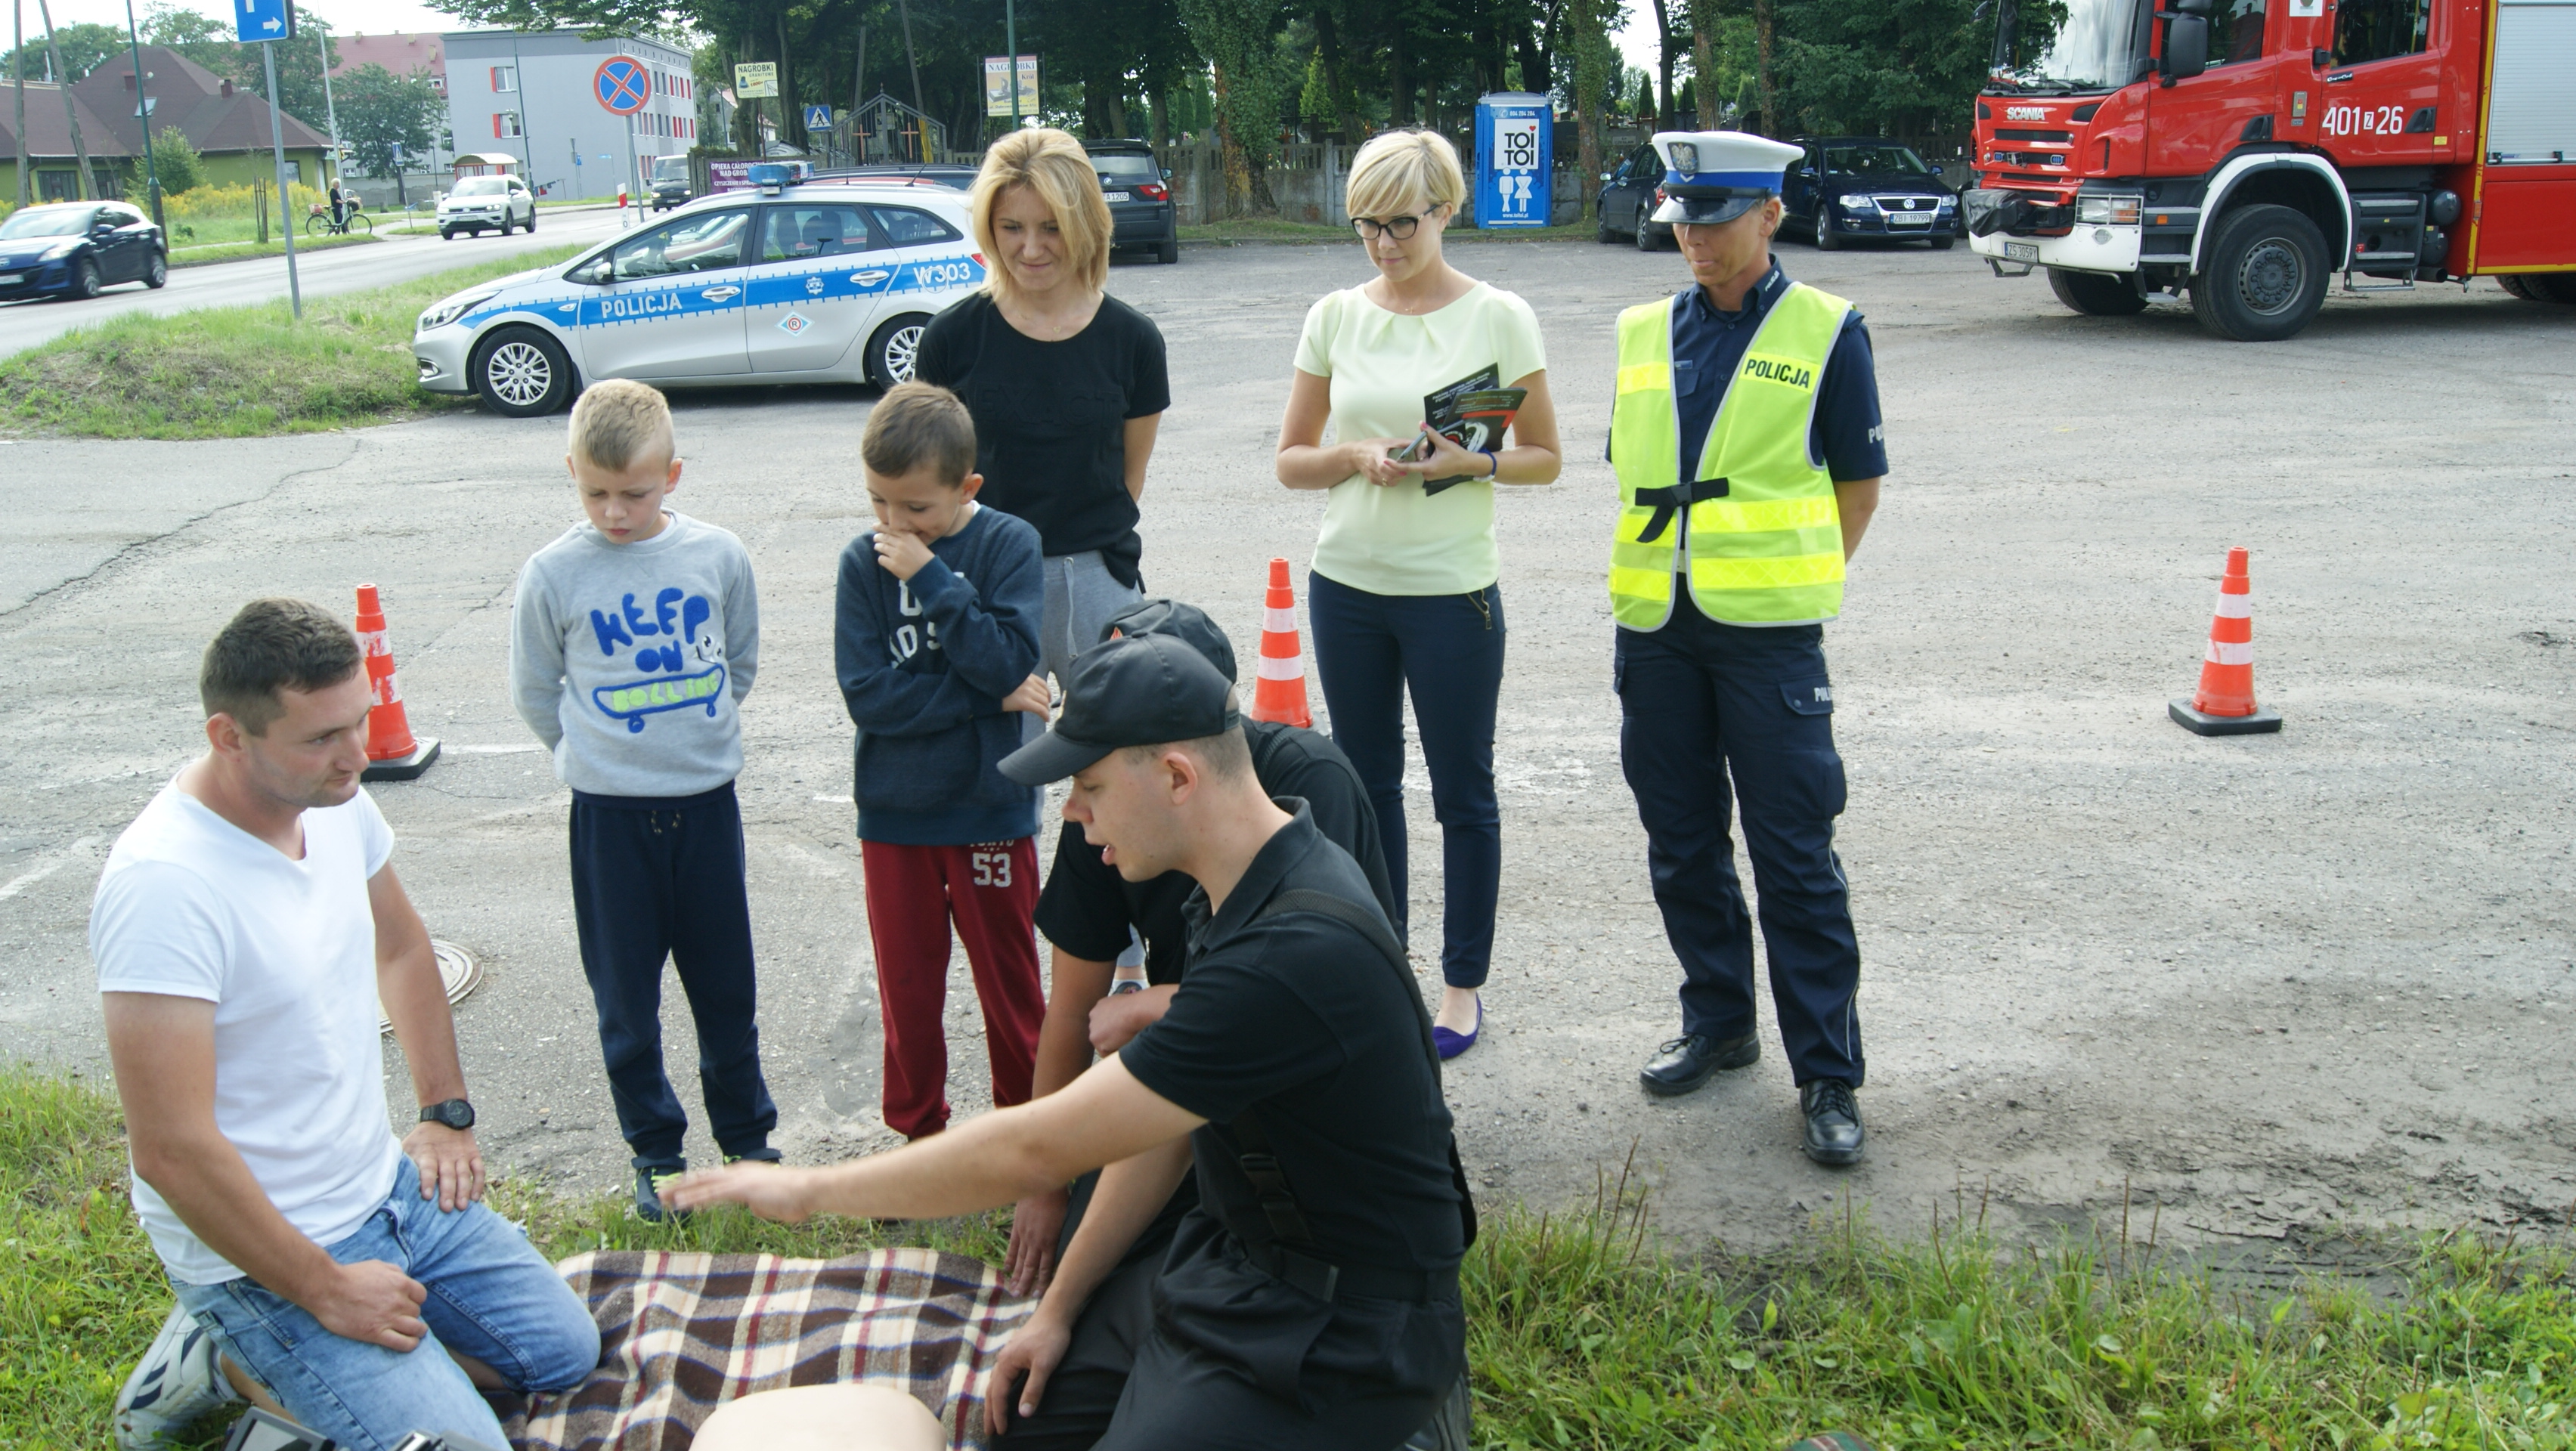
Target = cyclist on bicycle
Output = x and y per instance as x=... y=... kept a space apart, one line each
x=339 y=206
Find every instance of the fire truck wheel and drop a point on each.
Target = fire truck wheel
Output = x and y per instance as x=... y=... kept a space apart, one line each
x=2540 y=286
x=2095 y=295
x=2264 y=275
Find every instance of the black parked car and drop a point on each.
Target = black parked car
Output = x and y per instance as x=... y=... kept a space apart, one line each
x=1848 y=187
x=1139 y=196
x=72 y=249
x=1628 y=198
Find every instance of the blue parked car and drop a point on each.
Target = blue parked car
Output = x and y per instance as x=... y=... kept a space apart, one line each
x=72 y=249
x=1850 y=187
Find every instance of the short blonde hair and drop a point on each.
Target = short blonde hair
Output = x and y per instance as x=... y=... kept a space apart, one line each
x=620 y=421
x=1053 y=165
x=1399 y=170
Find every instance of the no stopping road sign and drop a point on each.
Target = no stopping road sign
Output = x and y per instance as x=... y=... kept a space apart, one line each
x=622 y=85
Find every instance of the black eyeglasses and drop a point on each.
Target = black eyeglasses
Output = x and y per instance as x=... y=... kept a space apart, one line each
x=1400 y=228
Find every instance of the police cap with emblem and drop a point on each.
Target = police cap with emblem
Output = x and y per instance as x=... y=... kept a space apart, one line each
x=1717 y=176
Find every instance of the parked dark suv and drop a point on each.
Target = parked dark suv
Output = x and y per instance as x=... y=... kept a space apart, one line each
x=75 y=248
x=1140 y=202
x=1848 y=187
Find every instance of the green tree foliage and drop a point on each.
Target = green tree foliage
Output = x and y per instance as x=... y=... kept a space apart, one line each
x=209 y=42
x=83 y=46
x=380 y=111
x=1240 y=40
x=174 y=161
x=1881 y=67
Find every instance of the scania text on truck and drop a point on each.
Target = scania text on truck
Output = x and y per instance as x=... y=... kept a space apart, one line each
x=2252 y=152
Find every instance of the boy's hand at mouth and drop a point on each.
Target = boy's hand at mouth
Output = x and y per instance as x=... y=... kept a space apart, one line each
x=903 y=555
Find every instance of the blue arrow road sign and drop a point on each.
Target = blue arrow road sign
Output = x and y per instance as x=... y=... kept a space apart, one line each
x=818 y=118
x=255 y=21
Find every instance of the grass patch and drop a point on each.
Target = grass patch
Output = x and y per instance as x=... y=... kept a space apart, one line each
x=240 y=372
x=1585 y=1334
x=207 y=255
x=1267 y=229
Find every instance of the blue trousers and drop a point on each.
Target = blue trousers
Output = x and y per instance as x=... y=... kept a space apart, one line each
x=1716 y=719
x=657 y=879
x=491 y=1296
x=1448 y=649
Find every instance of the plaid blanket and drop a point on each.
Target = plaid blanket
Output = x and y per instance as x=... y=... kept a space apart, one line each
x=682 y=1333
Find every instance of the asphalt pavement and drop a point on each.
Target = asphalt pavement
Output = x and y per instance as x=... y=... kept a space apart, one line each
x=2266 y=983
x=337 y=269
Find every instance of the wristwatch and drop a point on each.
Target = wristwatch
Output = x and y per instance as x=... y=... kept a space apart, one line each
x=1127 y=985
x=456 y=1113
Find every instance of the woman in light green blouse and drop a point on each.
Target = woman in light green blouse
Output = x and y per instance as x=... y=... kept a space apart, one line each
x=1403 y=595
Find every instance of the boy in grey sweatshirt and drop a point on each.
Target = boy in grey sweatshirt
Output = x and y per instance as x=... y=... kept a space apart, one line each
x=635 y=638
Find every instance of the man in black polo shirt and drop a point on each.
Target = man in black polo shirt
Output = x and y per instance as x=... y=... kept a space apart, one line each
x=1311 y=1299
x=1088 y=913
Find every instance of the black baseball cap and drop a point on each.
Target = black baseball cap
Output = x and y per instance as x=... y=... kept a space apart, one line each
x=1138 y=690
x=1186 y=623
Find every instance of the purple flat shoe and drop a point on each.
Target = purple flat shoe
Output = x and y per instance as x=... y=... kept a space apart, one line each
x=1450 y=1044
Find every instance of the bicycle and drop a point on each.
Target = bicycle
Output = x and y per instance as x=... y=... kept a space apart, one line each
x=318 y=223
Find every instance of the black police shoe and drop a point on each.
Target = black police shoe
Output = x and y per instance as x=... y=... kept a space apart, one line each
x=1686 y=1062
x=648 y=1190
x=1834 y=1133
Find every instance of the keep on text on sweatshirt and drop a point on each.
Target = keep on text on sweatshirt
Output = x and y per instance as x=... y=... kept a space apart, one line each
x=630 y=660
x=924 y=665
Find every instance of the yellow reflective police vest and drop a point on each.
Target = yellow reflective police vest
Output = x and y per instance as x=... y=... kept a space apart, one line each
x=1764 y=536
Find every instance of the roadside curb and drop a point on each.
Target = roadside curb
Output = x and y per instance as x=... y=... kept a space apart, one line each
x=315 y=245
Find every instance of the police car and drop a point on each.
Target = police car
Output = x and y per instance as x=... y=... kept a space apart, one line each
x=785 y=283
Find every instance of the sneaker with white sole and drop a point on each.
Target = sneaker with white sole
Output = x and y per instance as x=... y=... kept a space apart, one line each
x=179 y=1382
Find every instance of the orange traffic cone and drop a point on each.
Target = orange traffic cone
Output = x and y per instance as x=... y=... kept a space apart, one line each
x=1281 y=694
x=392 y=754
x=2224 y=704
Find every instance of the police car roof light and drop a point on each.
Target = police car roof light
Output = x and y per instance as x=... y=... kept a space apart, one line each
x=770 y=178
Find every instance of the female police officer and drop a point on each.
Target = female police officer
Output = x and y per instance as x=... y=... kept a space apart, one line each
x=1745 y=434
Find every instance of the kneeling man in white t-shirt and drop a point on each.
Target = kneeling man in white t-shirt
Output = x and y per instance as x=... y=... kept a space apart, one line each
x=246 y=927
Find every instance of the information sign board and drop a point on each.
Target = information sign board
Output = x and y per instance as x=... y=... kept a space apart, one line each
x=257 y=21
x=997 y=85
x=755 y=79
x=1515 y=156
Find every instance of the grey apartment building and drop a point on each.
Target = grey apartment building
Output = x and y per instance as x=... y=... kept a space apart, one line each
x=529 y=94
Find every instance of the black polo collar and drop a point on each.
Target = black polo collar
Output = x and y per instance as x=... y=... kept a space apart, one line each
x=1756 y=302
x=1261 y=880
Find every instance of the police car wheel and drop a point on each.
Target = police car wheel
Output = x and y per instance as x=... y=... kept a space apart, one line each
x=521 y=373
x=894 y=350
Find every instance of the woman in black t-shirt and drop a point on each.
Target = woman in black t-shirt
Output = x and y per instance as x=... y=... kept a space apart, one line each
x=1065 y=382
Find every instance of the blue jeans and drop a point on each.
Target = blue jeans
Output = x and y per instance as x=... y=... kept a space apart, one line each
x=491 y=1296
x=1719 y=720
x=1369 y=648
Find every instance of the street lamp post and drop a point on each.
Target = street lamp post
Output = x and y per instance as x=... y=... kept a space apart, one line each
x=143 y=116
x=330 y=112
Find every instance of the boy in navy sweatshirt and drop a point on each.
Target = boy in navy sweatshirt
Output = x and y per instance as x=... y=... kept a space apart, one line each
x=936 y=636
x=633 y=642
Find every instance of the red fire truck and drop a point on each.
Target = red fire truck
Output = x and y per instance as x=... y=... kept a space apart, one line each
x=2252 y=152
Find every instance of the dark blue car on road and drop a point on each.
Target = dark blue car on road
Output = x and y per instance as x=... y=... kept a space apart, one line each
x=72 y=249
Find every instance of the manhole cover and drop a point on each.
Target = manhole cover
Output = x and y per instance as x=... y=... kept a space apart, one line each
x=457 y=971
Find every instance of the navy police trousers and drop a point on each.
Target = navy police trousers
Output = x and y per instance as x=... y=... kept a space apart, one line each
x=1716 y=717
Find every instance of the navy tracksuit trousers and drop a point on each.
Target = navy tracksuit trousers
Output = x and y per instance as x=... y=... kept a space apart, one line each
x=1714 y=718
x=656 y=879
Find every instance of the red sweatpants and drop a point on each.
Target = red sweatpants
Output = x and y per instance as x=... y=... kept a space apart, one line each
x=990 y=890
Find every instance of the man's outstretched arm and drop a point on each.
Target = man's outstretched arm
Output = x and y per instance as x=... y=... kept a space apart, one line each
x=163 y=1049
x=1103 y=1117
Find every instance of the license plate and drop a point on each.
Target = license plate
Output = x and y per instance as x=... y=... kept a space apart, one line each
x=11 y=279
x=2021 y=251
x=1115 y=196
x=1909 y=219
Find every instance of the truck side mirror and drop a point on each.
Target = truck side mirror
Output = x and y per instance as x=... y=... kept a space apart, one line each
x=2186 y=46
